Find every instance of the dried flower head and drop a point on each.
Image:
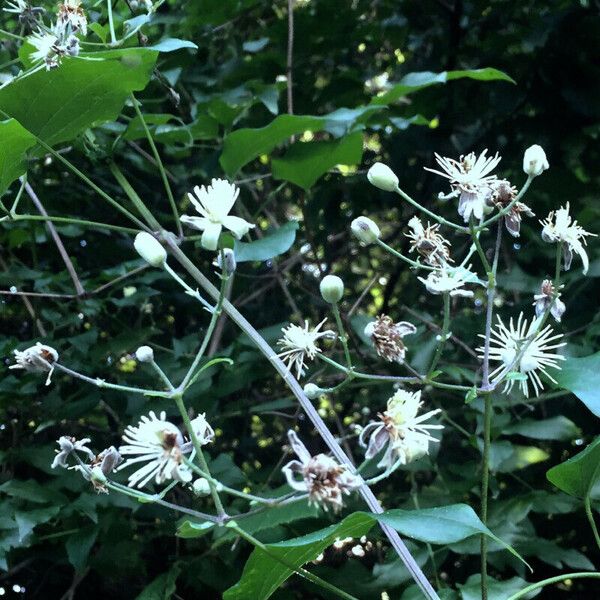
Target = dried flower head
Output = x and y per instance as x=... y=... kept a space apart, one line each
x=524 y=350
x=449 y=280
x=71 y=17
x=560 y=227
x=100 y=467
x=502 y=195
x=549 y=298
x=67 y=445
x=470 y=180
x=299 y=344
x=432 y=246
x=214 y=204
x=325 y=481
x=36 y=359
x=387 y=337
x=399 y=428
x=160 y=444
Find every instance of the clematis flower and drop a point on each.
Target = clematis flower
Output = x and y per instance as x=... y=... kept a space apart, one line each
x=387 y=337
x=470 y=180
x=67 y=446
x=449 y=280
x=47 y=49
x=160 y=444
x=549 y=298
x=405 y=434
x=299 y=344
x=560 y=227
x=502 y=196
x=214 y=204
x=71 y=17
x=432 y=246
x=325 y=480
x=539 y=355
x=36 y=359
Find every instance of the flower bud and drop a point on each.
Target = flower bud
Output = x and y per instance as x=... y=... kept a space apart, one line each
x=382 y=177
x=332 y=289
x=535 y=161
x=365 y=230
x=149 y=248
x=144 y=354
x=312 y=391
x=97 y=477
x=226 y=261
x=201 y=487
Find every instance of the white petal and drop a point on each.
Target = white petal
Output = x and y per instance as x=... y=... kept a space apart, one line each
x=200 y=223
x=238 y=226
x=210 y=237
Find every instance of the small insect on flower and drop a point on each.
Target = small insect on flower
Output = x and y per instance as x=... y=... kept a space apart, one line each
x=36 y=359
x=405 y=435
x=549 y=298
x=160 y=444
x=560 y=227
x=214 y=204
x=387 y=337
x=299 y=344
x=68 y=445
x=524 y=350
x=449 y=280
x=432 y=246
x=325 y=481
x=502 y=195
x=470 y=180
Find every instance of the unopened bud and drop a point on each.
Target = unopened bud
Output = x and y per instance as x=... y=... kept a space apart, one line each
x=535 y=161
x=332 y=289
x=144 y=354
x=365 y=230
x=149 y=248
x=111 y=459
x=97 y=477
x=312 y=391
x=201 y=487
x=382 y=177
x=226 y=261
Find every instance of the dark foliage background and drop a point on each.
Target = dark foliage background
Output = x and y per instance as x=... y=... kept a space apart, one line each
x=72 y=543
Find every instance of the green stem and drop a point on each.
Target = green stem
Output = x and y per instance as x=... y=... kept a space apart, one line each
x=342 y=334
x=480 y=251
x=111 y=25
x=298 y=570
x=430 y=213
x=162 y=375
x=485 y=480
x=11 y=35
x=161 y=168
x=408 y=261
x=590 y=516
x=198 y=448
x=74 y=222
x=541 y=584
x=443 y=335
x=192 y=292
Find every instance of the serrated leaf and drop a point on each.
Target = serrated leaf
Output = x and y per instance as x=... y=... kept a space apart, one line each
x=276 y=242
x=578 y=475
x=15 y=140
x=580 y=376
x=304 y=163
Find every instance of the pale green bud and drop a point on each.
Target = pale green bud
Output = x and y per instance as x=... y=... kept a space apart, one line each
x=144 y=354
x=201 y=487
x=382 y=177
x=312 y=391
x=365 y=230
x=150 y=249
x=332 y=289
x=535 y=161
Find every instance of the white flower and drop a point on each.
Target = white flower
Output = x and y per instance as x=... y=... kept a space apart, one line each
x=549 y=298
x=449 y=280
x=507 y=343
x=150 y=249
x=203 y=431
x=71 y=17
x=158 y=443
x=299 y=344
x=321 y=477
x=17 y=7
x=36 y=359
x=382 y=177
x=432 y=246
x=214 y=204
x=67 y=445
x=47 y=49
x=471 y=180
x=365 y=230
x=535 y=161
x=331 y=288
x=559 y=227
x=405 y=434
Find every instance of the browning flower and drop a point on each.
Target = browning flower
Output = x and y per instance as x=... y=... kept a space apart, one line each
x=549 y=298
x=387 y=337
x=432 y=246
x=325 y=481
x=503 y=194
x=36 y=359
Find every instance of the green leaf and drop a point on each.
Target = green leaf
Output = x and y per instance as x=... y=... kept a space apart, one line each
x=304 y=163
x=163 y=587
x=172 y=44
x=79 y=546
x=243 y=145
x=32 y=491
x=580 y=376
x=15 y=140
x=413 y=82
x=59 y=104
x=276 y=242
x=192 y=529
x=556 y=428
x=497 y=590
x=578 y=475
x=27 y=520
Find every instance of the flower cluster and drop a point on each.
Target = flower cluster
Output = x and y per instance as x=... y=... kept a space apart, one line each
x=325 y=480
